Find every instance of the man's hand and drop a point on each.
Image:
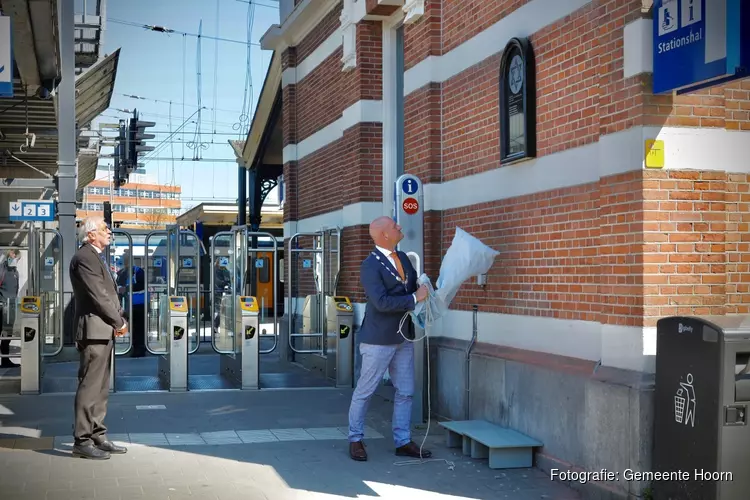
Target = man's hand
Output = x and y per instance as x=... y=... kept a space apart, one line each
x=422 y=293
x=121 y=290
x=122 y=331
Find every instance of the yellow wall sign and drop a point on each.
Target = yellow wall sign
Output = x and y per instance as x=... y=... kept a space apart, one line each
x=654 y=153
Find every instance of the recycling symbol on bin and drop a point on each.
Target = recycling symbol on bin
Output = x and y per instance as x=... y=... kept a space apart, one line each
x=344 y=331
x=249 y=332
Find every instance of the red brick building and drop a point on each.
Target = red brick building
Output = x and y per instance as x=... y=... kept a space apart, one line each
x=595 y=244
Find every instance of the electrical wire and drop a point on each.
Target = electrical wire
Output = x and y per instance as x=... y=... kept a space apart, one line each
x=216 y=63
x=169 y=31
x=429 y=318
x=244 y=118
x=141 y=98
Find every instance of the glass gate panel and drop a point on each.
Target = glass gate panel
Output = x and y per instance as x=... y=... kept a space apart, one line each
x=188 y=283
x=121 y=259
x=47 y=280
x=155 y=271
x=223 y=284
x=261 y=281
x=10 y=320
x=313 y=267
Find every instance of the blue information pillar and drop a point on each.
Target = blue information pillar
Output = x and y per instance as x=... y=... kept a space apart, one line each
x=409 y=210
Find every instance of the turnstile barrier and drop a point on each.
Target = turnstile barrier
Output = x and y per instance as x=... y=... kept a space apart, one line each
x=242 y=366
x=340 y=334
x=31 y=345
x=173 y=364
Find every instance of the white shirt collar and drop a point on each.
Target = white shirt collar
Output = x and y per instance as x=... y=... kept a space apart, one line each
x=384 y=251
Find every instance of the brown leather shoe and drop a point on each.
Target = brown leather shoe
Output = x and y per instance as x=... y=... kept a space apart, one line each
x=357 y=451
x=411 y=449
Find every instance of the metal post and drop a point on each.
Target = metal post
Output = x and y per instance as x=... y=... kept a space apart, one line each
x=242 y=193
x=67 y=162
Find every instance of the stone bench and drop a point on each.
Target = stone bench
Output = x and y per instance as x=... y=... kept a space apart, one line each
x=505 y=448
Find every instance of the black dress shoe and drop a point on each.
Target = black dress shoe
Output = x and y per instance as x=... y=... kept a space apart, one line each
x=7 y=363
x=357 y=451
x=90 y=451
x=111 y=447
x=411 y=449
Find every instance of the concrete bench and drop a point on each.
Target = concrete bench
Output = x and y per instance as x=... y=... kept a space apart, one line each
x=505 y=448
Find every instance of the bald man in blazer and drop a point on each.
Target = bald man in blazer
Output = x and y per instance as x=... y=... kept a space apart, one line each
x=98 y=318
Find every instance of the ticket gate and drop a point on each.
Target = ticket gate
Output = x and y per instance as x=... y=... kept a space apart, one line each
x=340 y=345
x=336 y=357
x=323 y=339
x=31 y=345
x=242 y=365
x=173 y=372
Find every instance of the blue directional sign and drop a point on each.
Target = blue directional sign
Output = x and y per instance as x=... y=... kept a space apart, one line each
x=32 y=210
x=6 y=57
x=696 y=46
x=409 y=186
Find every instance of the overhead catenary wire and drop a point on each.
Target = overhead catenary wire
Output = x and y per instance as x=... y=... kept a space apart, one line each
x=162 y=101
x=169 y=31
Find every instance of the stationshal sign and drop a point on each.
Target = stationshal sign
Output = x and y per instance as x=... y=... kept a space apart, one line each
x=699 y=43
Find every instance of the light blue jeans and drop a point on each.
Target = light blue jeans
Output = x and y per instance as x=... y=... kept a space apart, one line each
x=376 y=359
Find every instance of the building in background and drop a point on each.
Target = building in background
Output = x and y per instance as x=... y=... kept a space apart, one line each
x=534 y=126
x=142 y=203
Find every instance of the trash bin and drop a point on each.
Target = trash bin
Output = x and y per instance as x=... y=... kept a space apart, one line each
x=702 y=393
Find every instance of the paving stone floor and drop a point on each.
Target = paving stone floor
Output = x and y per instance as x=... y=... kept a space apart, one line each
x=276 y=445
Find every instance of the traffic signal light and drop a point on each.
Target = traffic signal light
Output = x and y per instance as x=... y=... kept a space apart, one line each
x=120 y=171
x=108 y=213
x=136 y=138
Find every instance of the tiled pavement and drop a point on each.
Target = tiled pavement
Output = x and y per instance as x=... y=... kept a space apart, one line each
x=275 y=445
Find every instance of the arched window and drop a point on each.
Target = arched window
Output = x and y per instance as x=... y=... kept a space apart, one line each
x=517 y=102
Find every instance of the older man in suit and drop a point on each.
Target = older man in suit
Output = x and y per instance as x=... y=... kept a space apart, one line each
x=390 y=284
x=98 y=318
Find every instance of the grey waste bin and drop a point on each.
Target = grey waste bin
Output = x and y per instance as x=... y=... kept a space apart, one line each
x=702 y=394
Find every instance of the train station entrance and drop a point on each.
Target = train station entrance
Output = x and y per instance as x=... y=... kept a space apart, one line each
x=201 y=319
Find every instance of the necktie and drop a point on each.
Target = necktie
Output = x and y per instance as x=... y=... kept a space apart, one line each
x=400 y=268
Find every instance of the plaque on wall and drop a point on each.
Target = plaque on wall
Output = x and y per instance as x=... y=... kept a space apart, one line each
x=517 y=102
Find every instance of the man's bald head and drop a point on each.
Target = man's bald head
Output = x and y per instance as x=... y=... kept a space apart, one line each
x=385 y=232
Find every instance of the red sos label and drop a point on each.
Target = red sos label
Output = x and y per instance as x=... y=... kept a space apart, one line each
x=410 y=206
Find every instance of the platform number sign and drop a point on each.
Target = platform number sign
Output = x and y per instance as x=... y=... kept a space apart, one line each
x=32 y=210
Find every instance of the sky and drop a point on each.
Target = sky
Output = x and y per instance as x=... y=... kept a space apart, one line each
x=165 y=67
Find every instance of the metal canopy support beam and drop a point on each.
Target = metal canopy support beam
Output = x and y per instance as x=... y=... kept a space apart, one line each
x=241 y=193
x=67 y=165
x=254 y=199
x=25 y=184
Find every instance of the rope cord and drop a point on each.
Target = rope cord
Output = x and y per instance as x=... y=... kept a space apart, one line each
x=428 y=319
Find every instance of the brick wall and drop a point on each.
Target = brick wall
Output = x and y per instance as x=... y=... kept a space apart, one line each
x=348 y=170
x=623 y=250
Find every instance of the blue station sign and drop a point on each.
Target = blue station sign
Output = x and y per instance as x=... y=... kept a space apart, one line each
x=698 y=43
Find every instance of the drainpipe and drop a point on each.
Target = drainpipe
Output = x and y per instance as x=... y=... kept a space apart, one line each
x=474 y=329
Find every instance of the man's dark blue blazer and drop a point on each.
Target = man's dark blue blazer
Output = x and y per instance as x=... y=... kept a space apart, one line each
x=387 y=299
